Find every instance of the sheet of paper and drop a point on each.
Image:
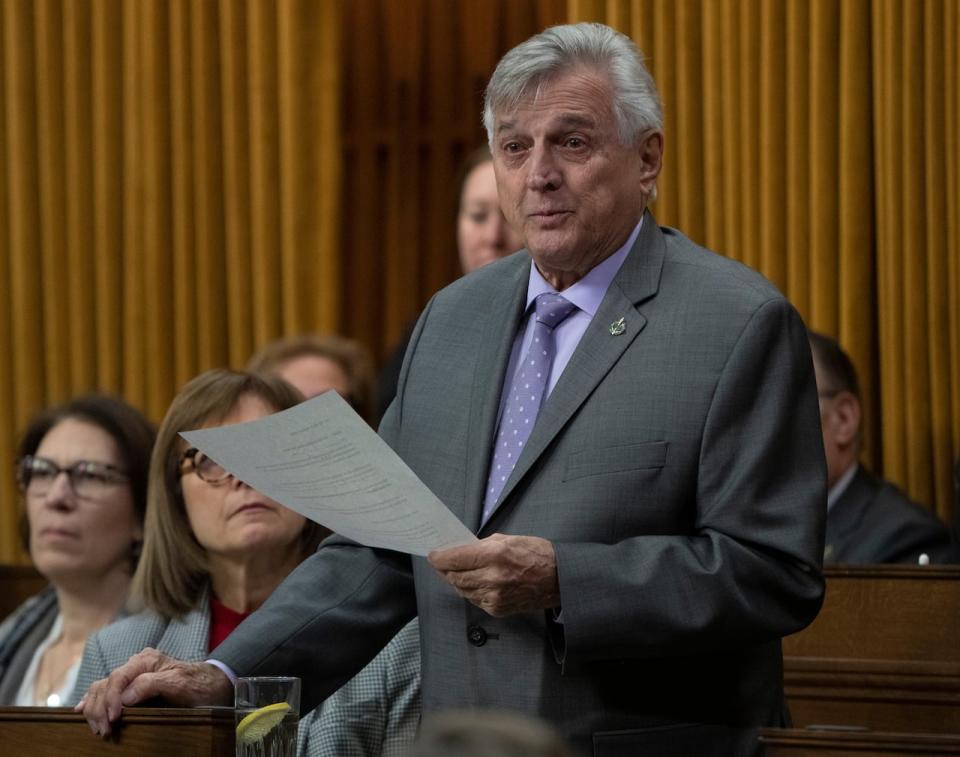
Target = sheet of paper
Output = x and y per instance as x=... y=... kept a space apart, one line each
x=321 y=460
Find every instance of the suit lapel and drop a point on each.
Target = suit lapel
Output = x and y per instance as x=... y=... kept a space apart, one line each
x=599 y=350
x=506 y=313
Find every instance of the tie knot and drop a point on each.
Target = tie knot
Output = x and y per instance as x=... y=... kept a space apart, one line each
x=551 y=309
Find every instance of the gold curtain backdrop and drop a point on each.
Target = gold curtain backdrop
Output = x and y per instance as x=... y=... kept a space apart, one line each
x=169 y=188
x=183 y=180
x=818 y=141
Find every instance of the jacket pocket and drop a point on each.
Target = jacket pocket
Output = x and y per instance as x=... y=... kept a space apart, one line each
x=625 y=457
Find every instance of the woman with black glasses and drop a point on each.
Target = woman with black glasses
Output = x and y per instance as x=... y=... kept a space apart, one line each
x=82 y=470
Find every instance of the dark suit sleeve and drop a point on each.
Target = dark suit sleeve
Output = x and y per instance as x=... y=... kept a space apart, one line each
x=749 y=570
x=327 y=619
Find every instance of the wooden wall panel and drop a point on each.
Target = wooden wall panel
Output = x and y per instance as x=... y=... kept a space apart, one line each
x=414 y=75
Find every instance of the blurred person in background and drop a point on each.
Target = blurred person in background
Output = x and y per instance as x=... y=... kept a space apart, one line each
x=314 y=364
x=82 y=470
x=483 y=235
x=487 y=733
x=215 y=549
x=869 y=520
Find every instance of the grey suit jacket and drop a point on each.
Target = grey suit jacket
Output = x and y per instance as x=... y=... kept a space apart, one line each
x=678 y=469
x=375 y=714
x=874 y=522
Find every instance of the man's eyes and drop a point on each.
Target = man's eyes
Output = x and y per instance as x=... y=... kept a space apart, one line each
x=575 y=143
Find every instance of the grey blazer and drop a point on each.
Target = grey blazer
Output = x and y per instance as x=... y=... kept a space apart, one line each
x=678 y=469
x=375 y=713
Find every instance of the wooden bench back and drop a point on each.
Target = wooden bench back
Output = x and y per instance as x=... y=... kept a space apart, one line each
x=883 y=654
x=17 y=584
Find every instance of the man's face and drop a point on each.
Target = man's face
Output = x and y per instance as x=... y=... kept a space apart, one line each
x=567 y=183
x=840 y=423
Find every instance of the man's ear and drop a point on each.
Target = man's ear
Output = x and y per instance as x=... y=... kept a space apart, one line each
x=650 y=148
x=845 y=417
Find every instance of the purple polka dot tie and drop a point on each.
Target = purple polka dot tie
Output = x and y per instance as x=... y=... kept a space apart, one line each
x=525 y=395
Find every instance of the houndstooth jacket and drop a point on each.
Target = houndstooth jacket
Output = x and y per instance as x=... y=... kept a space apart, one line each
x=375 y=714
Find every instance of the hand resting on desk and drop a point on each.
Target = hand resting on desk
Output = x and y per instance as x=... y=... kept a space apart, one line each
x=152 y=674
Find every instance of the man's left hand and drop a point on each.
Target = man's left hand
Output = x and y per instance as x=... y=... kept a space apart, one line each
x=502 y=575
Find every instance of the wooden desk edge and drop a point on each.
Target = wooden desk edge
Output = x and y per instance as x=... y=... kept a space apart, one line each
x=131 y=715
x=840 y=738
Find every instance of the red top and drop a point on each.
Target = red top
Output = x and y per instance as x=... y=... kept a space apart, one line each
x=222 y=621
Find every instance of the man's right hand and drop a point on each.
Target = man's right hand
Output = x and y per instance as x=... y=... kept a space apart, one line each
x=152 y=674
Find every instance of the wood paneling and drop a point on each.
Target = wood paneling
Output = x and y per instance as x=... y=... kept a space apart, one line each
x=141 y=732
x=882 y=654
x=414 y=75
x=17 y=584
x=779 y=742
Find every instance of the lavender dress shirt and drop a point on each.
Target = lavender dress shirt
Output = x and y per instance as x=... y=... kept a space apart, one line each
x=586 y=294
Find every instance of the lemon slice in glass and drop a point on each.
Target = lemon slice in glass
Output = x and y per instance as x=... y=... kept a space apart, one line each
x=260 y=722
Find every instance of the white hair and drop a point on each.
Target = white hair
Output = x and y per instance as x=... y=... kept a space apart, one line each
x=636 y=102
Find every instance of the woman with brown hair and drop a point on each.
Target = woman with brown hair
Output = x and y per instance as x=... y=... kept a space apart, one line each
x=316 y=363
x=215 y=549
x=82 y=470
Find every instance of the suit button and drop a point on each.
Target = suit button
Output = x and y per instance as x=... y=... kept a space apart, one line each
x=476 y=635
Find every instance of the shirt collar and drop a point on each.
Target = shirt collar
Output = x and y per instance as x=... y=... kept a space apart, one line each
x=837 y=490
x=588 y=292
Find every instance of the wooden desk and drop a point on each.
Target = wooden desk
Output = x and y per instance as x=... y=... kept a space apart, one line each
x=142 y=732
x=17 y=584
x=884 y=653
x=796 y=743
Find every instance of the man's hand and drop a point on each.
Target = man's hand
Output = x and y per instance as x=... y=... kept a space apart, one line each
x=152 y=674
x=502 y=575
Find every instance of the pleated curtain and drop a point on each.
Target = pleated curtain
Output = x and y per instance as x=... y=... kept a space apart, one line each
x=169 y=189
x=184 y=180
x=818 y=141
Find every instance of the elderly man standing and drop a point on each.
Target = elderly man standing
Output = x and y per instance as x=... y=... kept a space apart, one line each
x=630 y=424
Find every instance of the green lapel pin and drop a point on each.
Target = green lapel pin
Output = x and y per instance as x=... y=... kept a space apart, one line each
x=617 y=328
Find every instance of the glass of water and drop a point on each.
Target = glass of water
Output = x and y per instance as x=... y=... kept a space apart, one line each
x=267 y=709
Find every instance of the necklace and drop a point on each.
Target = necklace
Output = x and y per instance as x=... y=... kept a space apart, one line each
x=54 y=666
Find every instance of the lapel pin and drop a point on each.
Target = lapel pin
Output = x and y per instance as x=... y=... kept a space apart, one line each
x=617 y=328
